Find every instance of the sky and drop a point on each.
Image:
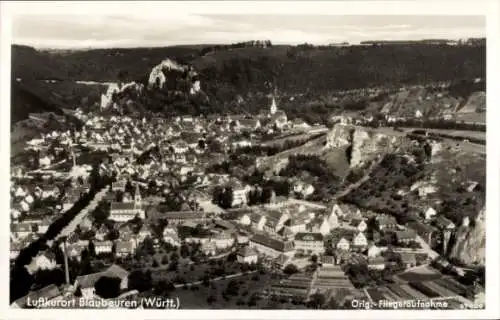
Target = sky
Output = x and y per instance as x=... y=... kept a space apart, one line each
x=140 y=30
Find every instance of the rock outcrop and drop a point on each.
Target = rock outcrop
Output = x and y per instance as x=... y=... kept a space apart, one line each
x=365 y=144
x=470 y=242
x=340 y=136
x=158 y=74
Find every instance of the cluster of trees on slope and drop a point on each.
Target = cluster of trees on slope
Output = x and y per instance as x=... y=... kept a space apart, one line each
x=379 y=192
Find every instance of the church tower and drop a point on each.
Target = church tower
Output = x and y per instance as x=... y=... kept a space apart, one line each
x=137 y=197
x=274 y=108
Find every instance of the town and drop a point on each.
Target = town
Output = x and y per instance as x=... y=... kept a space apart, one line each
x=213 y=210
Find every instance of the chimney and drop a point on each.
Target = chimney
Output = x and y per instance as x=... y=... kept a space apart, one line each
x=66 y=268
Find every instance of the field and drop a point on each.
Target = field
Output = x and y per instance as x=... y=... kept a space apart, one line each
x=197 y=298
x=472 y=117
x=191 y=272
x=422 y=273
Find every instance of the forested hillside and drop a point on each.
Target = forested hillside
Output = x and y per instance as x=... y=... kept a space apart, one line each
x=295 y=69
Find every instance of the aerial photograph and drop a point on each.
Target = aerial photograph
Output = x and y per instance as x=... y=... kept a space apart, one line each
x=246 y=161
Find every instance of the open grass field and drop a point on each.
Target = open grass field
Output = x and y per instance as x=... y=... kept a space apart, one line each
x=248 y=285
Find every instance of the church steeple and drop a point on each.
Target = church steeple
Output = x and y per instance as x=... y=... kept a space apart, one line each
x=274 y=108
x=137 y=196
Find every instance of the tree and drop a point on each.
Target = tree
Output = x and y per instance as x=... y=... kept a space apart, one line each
x=314 y=258
x=140 y=280
x=290 y=269
x=211 y=299
x=232 y=257
x=201 y=144
x=316 y=301
x=232 y=288
x=45 y=277
x=108 y=287
x=146 y=248
x=101 y=213
x=163 y=288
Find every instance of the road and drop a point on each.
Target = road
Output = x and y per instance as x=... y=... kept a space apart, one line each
x=70 y=228
x=426 y=248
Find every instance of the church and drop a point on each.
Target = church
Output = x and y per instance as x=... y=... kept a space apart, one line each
x=275 y=117
x=127 y=209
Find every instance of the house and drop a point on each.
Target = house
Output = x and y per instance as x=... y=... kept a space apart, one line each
x=125 y=232
x=409 y=260
x=425 y=231
x=279 y=119
x=43 y=226
x=208 y=248
x=170 y=236
x=275 y=221
x=271 y=246
x=327 y=261
x=258 y=221
x=333 y=220
x=247 y=255
x=377 y=263
x=324 y=227
x=179 y=217
x=21 y=230
x=242 y=238
x=309 y=243
x=241 y=143
x=87 y=282
x=240 y=195
x=430 y=213
x=245 y=220
x=360 y=241
x=276 y=202
x=295 y=225
x=125 y=211
x=385 y=222
x=405 y=236
x=102 y=232
x=224 y=225
x=343 y=244
x=45 y=261
x=103 y=246
x=74 y=251
x=125 y=248
x=373 y=251
x=222 y=240
x=143 y=233
x=305 y=189
x=250 y=124
x=300 y=124
x=342 y=210
x=180 y=146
